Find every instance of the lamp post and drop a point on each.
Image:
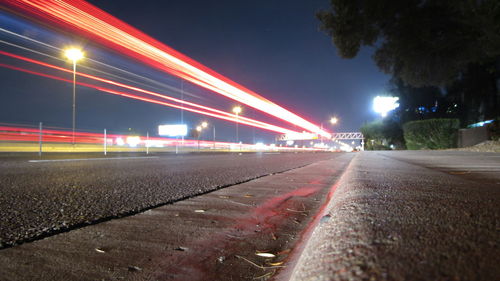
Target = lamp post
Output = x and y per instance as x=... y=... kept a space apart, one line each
x=204 y=125
x=74 y=55
x=237 y=111
x=199 y=129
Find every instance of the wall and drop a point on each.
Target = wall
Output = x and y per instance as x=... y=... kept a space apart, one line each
x=472 y=136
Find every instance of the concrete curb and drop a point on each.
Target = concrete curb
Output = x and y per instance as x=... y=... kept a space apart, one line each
x=313 y=234
x=403 y=219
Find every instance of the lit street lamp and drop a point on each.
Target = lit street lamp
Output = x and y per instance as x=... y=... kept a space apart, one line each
x=204 y=125
x=74 y=55
x=334 y=120
x=384 y=105
x=237 y=111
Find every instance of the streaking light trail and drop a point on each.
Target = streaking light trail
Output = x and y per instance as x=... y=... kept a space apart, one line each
x=81 y=16
x=203 y=109
x=32 y=135
x=237 y=118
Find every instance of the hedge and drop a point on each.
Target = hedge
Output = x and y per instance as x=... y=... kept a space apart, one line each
x=431 y=133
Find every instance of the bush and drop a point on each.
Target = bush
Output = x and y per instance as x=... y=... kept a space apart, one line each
x=431 y=133
x=380 y=135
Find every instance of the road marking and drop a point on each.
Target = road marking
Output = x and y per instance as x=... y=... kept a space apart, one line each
x=92 y=159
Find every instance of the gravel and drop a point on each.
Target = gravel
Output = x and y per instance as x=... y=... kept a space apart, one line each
x=487 y=146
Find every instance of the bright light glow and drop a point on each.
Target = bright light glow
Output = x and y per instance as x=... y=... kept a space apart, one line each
x=334 y=120
x=179 y=130
x=74 y=54
x=260 y=145
x=133 y=141
x=120 y=141
x=383 y=105
x=320 y=145
x=199 y=128
x=346 y=148
x=204 y=124
x=237 y=110
x=289 y=142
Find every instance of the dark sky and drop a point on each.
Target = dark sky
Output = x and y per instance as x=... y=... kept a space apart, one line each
x=273 y=47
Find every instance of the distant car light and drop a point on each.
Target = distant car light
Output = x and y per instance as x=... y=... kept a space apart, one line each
x=120 y=141
x=133 y=141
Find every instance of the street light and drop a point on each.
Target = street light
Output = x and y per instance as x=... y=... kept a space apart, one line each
x=334 y=120
x=74 y=54
x=237 y=111
x=204 y=125
x=385 y=104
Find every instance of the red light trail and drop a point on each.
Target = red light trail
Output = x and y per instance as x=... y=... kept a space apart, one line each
x=233 y=116
x=21 y=134
x=214 y=112
x=81 y=16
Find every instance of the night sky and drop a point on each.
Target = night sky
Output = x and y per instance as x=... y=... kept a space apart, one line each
x=274 y=48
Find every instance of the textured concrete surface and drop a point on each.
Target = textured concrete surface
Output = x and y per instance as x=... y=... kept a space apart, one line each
x=43 y=198
x=214 y=236
x=410 y=216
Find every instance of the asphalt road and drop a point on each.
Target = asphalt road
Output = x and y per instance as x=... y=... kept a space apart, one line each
x=219 y=235
x=39 y=199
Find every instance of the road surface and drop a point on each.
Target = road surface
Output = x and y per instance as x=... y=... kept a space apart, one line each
x=213 y=236
x=42 y=198
x=400 y=215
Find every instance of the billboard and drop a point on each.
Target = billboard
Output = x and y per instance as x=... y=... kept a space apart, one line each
x=297 y=136
x=179 y=130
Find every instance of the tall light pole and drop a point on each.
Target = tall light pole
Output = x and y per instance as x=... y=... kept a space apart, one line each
x=74 y=55
x=204 y=125
x=237 y=111
x=199 y=129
